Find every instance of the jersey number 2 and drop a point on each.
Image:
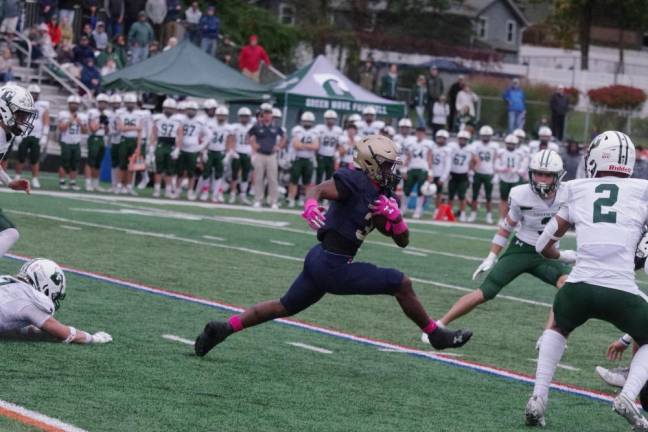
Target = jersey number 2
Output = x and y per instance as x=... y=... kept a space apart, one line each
x=611 y=199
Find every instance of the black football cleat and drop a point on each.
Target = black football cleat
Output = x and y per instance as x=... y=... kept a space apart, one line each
x=214 y=333
x=442 y=338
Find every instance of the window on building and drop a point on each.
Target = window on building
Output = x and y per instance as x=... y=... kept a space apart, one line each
x=286 y=14
x=510 y=31
x=482 y=27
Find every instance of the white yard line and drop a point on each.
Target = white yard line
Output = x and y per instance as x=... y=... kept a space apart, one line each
x=70 y=227
x=398 y=350
x=214 y=238
x=35 y=419
x=560 y=365
x=310 y=347
x=282 y=243
x=175 y=338
x=411 y=252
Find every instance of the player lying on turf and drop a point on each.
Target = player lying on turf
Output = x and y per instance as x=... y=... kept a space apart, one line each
x=531 y=207
x=360 y=200
x=28 y=301
x=608 y=210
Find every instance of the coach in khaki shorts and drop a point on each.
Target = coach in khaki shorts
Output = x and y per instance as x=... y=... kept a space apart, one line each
x=266 y=139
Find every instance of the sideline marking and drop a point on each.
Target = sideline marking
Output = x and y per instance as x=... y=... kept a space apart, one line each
x=282 y=243
x=414 y=253
x=310 y=347
x=35 y=419
x=71 y=228
x=175 y=338
x=208 y=237
x=560 y=365
x=440 y=358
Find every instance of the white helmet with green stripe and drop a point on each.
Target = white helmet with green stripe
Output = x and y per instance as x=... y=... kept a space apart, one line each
x=545 y=162
x=611 y=151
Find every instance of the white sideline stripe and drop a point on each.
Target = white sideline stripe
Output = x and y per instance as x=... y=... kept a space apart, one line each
x=52 y=422
x=242 y=249
x=400 y=350
x=282 y=243
x=408 y=252
x=560 y=365
x=442 y=358
x=175 y=338
x=310 y=347
x=208 y=237
x=69 y=227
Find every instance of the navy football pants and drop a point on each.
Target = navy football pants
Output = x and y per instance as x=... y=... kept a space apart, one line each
x=327 y=272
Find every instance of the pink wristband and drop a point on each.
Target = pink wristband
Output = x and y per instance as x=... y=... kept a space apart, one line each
x=310 y=202
x=235 y=323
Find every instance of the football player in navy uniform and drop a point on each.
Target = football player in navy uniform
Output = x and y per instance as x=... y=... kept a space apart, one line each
x=360 y=201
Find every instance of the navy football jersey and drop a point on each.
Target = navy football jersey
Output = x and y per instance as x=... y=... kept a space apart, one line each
x=350 y=217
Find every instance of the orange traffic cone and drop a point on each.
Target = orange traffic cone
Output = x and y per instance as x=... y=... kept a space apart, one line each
x=444 y=212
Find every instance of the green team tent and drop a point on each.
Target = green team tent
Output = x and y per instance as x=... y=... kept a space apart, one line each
x=186 y=70
x=320 y=86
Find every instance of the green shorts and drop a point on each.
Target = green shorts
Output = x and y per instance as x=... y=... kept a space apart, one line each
x=5 y=223
x=302 y=168
x=578 y=302
x=70 y=156
x=415 y=178
x=458 y=186
x=126 y=148
x=505 y=189
x=243 y=164
x=163 y=161
x=29 y=145
x=214 y=165
x=521 y=258
x=478 y=181
x=187 y=163
x=96 y=149
x=325 y=167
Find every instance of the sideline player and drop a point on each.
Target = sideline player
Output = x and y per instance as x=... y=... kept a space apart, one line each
x=509 y=167
x=29 y=299
x=72 y=124
x=31 y=145
x=356 y=196
x=483 y=162
x=608 y=210
x=98 y=123
x=532 y=206
x=418 y=163
x=441 y=162
x=166 y=139
x=459 y=168
x=329 y=137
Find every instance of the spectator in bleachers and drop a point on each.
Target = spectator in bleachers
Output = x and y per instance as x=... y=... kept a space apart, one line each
x=174 y=11
x=641 y=164
x=154 y=48
x=109 y=67
x=571 y=158
x=11 y=10
x=6 y=65
x=89 y=8
x=440 y=113
x=54 y=29
x=435 y=88
x=87 y=32
x=389 y=83
x=251 y=57
x=67 y=33
x=100 y=36
x=110 y=54
x=464 y=120
x=132 y=10
x=139 y=38
x=83 y=51
x=454 y=90
x=559 y=106
x=192 y=18
x=65 y=53
x=209 y=27
x=171 y=43
x=44 y=42
x=90 y=76
x=121 y=51
x=419 y=100
x=368 y=75
x=466 y=98
x=48 y=9
x=515 y=105
x=115 y=16
x=227 y=52
x=156 y=10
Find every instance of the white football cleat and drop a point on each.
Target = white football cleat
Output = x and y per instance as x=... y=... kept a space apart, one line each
x=156 y=193
x=462 y=217
x=628 y=410
x=204 y=195
x=63 y=186
x=472 y=217
x=75 y=187
x=615 y=377
x=417 y=215
x=256 y=204
x=274 y=206
x=425 y=339
x=191 y=195
x=36 y=183
x=534 y=412
x=489 y=219
x=244 y=199
x=232 y=198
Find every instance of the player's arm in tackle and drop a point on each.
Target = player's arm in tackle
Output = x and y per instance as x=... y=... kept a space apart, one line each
x=53 y=329
x=499 y=242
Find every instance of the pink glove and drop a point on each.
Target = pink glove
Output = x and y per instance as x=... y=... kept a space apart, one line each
x=388 y=207
x=314 y=214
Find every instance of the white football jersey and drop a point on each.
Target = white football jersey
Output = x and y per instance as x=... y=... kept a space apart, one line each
x=115 y=135
x=21 y=305
x=146 y=122
x=460 y=158
x=93 y=115
x=193 y=129
x=417 y=152
x=4 y=142
x=41 y=106
x=329 y=139
x=486 y=153
x=73 y=133
x=348 y=145
x=218 y=134
x=510 y=165
x=130 y=118
x=534 y=147
x=531 y=212
x=609 y=214
x=399 y=140
x=441 y=161
x=366 y=129
x=240 y=131
x=166 y=127
x=306 y=136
